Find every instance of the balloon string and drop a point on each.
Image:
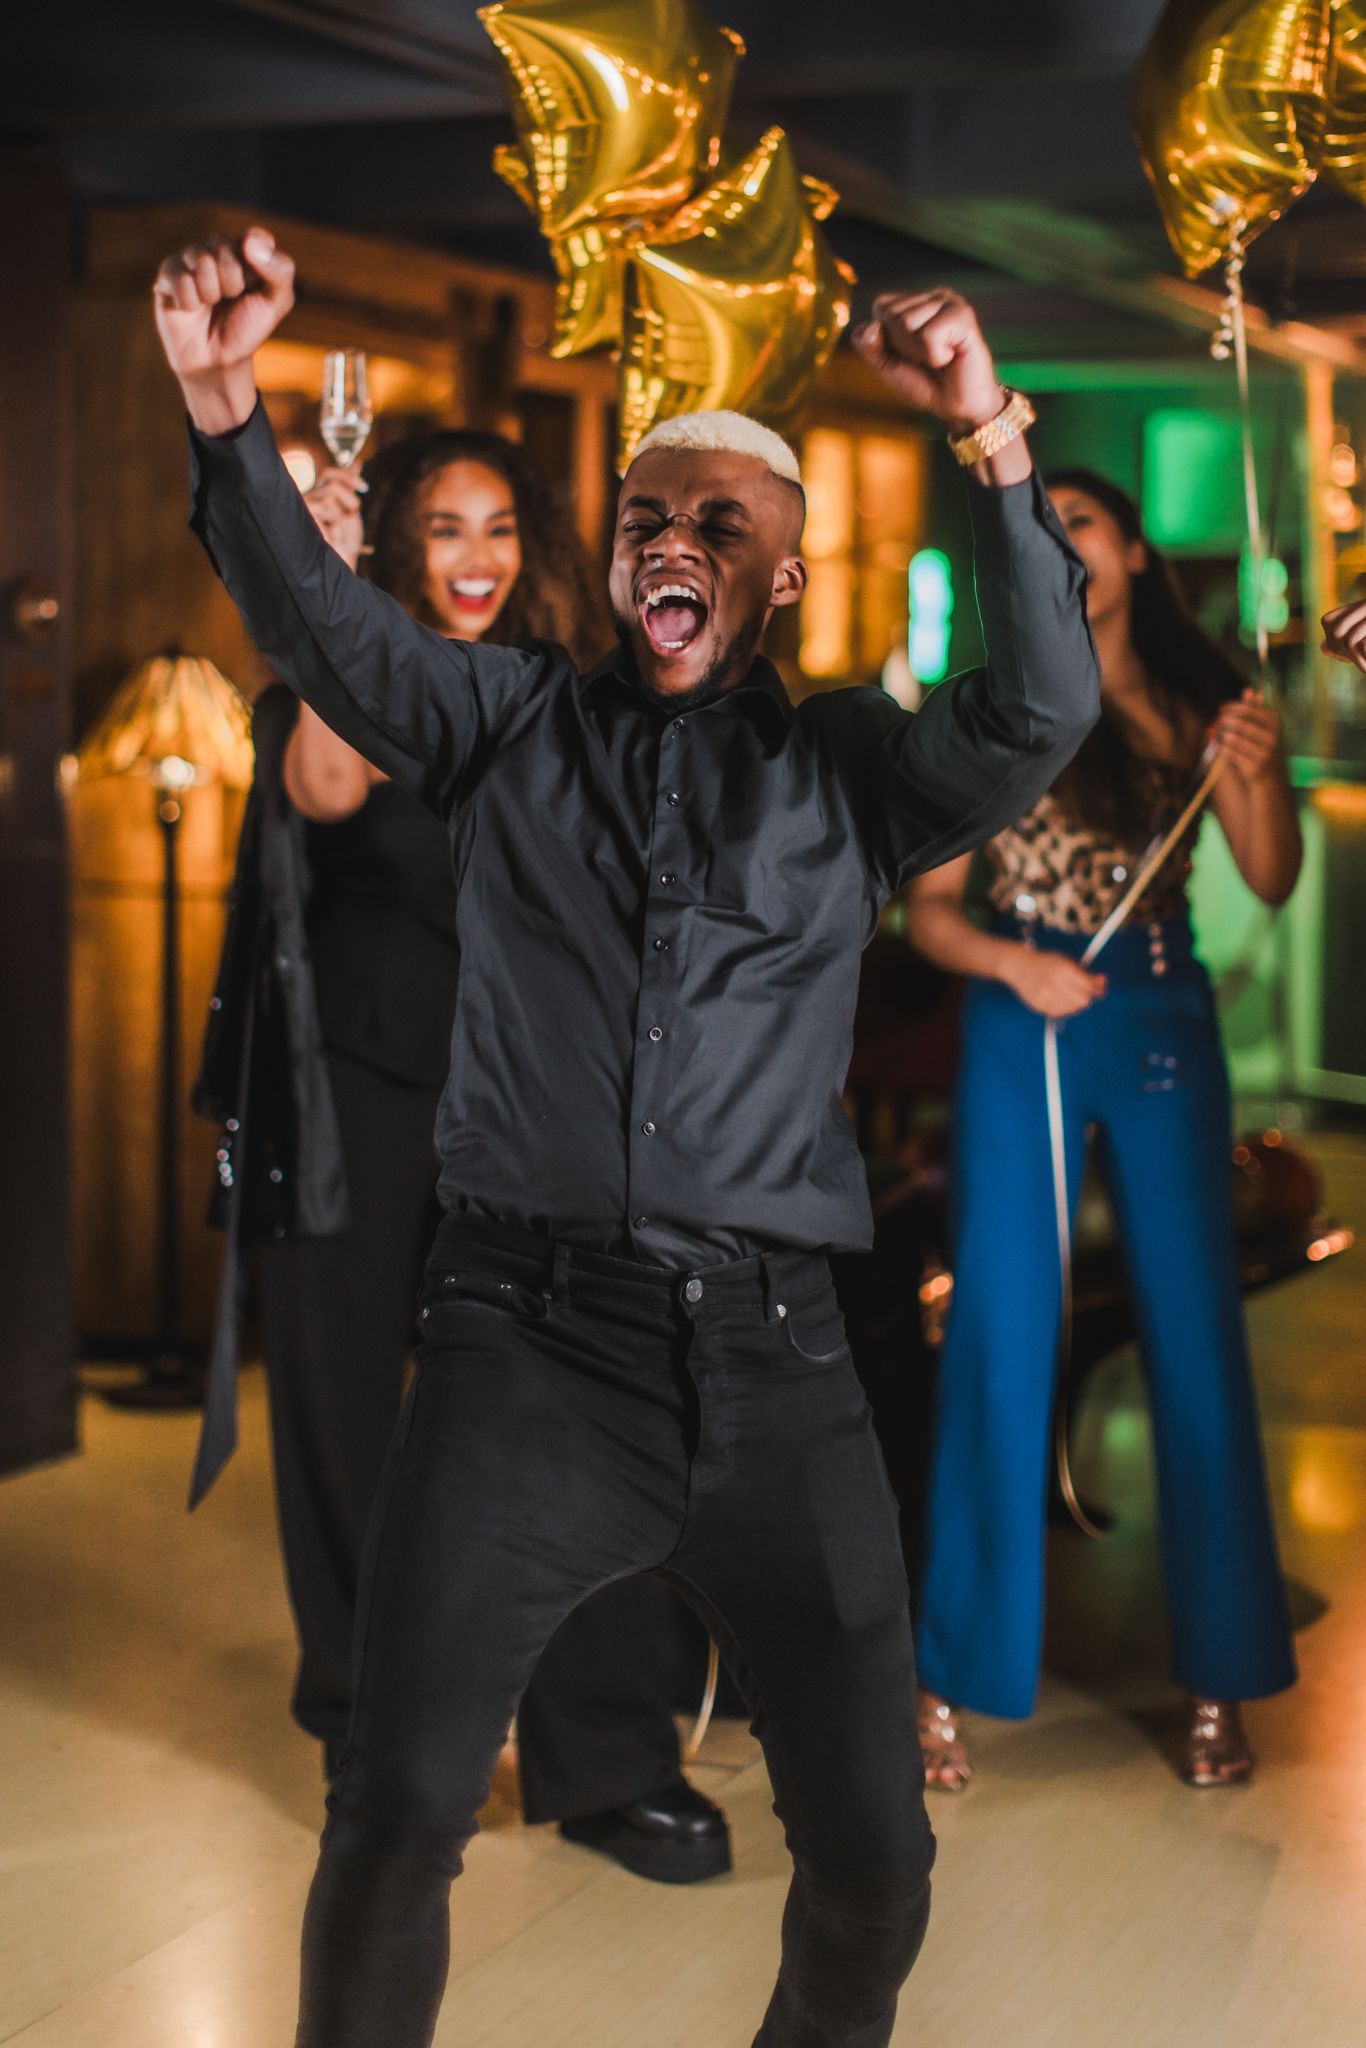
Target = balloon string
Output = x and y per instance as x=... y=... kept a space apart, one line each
x=1148 y=867
x=1231 y=338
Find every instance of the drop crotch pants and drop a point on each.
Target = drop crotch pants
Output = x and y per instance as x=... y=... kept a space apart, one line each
x=575 y=1420
x=1143 y=1067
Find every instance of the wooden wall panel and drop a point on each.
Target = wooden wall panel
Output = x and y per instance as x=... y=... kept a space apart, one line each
x=37 y=1397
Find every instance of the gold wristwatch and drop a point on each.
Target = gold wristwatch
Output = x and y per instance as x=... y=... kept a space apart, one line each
x=1009 y=423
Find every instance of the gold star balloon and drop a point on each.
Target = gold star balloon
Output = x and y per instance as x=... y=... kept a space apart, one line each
x=619 y=106
x=1344 y=145
x=1230 y=110
x=738 y=303
x=588 y=266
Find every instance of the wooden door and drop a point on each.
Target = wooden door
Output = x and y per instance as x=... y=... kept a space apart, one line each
x=37 y=1397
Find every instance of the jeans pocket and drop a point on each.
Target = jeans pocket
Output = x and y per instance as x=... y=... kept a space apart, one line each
x=814 y=1328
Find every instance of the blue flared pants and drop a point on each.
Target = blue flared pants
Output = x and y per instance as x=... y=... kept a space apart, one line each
x=1143 y=1067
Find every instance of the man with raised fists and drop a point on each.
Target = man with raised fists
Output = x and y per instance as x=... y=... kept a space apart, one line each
x=632 y=1357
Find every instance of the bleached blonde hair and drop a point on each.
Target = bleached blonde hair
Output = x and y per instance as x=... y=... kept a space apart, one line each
x=735 y=433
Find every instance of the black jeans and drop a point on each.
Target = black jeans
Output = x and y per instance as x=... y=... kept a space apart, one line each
x=576 y=1419
x=596 y=1727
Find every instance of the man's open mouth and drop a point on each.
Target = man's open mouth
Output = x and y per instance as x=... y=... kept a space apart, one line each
x=673 y=615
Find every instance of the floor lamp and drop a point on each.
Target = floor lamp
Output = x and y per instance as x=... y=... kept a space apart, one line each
x=176 y=724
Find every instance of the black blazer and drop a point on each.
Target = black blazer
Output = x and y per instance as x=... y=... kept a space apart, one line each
x=263 y=1074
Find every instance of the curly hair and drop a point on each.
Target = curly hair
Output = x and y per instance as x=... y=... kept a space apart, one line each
x=1188 y=669
x=553 y=596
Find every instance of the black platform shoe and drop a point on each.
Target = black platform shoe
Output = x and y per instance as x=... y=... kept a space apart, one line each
x=676 y=1836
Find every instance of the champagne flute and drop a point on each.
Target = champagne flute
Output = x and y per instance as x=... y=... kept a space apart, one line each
x=345 y=418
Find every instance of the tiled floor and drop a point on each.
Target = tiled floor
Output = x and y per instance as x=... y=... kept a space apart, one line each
x=158 y=1813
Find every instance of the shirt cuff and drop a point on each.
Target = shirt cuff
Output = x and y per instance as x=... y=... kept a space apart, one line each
x=228 y=470
x=245 y=450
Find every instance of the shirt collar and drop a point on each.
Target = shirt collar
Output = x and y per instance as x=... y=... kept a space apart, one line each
x=762 y=685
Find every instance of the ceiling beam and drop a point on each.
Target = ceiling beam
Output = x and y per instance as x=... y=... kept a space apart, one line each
x=867 y=46
x=382 y=32
x=1081 y=256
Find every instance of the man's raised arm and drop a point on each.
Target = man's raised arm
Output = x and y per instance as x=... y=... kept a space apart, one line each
x=412 y=702
x=988 y=743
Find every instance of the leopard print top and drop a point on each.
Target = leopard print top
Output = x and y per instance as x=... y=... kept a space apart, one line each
x=1046 y=868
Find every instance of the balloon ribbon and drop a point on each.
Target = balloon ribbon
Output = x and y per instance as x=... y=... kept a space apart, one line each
x=1148 y=868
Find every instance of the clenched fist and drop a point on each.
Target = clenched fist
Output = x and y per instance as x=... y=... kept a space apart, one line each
x=216 y=302
x=929 y=348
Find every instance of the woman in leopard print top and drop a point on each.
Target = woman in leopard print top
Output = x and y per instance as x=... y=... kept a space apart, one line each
x=1142 y=1070
x=1052 y=867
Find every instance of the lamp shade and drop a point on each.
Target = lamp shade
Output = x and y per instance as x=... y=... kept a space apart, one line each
x=176 y=720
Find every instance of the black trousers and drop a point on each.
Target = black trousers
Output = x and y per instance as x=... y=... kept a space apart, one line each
x=596 y=1727
x=574 y=1420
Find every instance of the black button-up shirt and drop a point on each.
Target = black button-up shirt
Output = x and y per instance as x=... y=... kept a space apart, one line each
x=659 y=915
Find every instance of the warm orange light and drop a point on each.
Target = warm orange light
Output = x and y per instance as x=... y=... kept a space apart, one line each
x=1329 y=1245
x=1345 y=801
x=1326 y=1484
x=396 y=384
x=302 y=465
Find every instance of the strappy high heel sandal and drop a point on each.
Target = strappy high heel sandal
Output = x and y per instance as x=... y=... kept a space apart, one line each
x=1217 y=1751
x=942 y=1745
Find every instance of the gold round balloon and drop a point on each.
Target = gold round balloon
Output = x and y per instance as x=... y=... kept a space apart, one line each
x=619 y=104
x=1230 y=110
x=737 y=304
x=1344 y=145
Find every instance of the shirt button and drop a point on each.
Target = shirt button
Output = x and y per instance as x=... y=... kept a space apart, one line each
x=667 y=879
x=678 y=725
x=693 y=1291
x=674 y=797
x=640 y=1222
x=661 y=945
x=648 y=1129
x=655 y=1034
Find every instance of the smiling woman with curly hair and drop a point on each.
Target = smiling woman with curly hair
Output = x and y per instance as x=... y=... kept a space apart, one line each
x=415 y=488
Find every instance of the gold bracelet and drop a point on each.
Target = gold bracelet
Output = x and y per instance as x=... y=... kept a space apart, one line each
x=1015 y=416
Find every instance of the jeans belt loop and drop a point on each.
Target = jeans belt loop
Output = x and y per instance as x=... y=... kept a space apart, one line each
x=559 y=1282
x=769 y=1289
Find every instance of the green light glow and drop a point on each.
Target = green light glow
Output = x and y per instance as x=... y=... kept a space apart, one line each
x=929 y=584
x=1193 y=481
x=1275 y=602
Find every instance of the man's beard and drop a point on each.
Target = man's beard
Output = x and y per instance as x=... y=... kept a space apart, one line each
x=728 y=666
